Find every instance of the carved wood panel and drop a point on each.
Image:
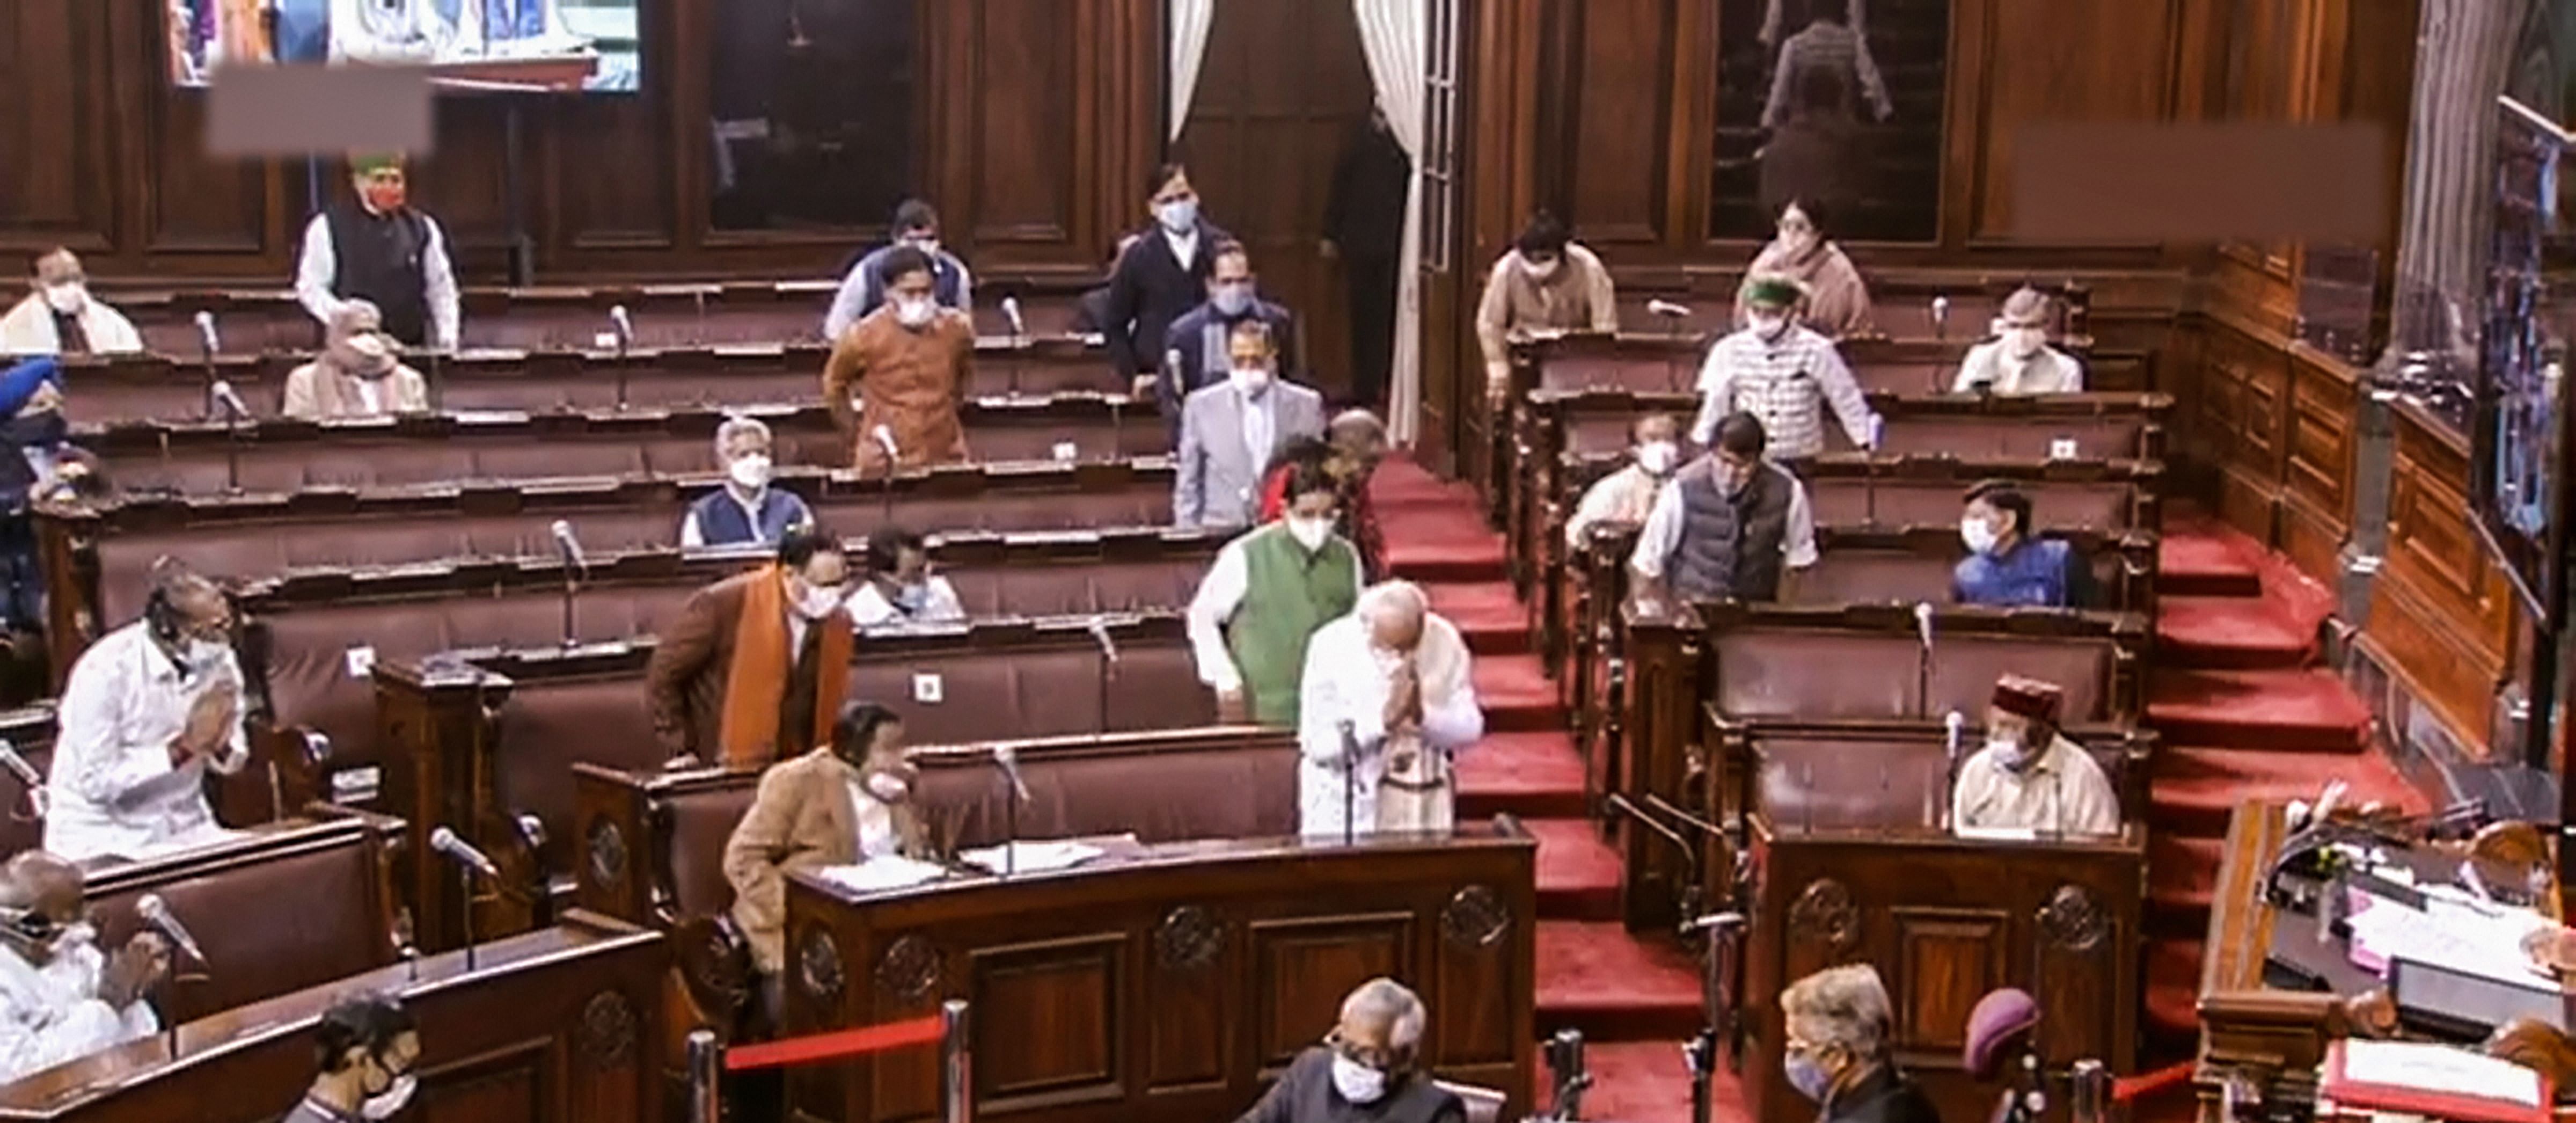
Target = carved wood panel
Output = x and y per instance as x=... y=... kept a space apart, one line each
x=59 y=128
x=1622 y=119
x=1946 y=959
x=1074 y=987
x=1187 y=1004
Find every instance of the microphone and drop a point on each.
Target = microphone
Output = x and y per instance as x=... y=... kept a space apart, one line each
x=885 y=439
x=1940 y=317
x=18 y=766
x=156 y=913
x=1099 y=630
x=224 y=396
x=1667 y=309
x=625 y=326
x=1923 y=621
x=462 y=853
x=206 y=336
x=1955 y=726
x=569 y=545
x=1009 y=760
x=1011 y=312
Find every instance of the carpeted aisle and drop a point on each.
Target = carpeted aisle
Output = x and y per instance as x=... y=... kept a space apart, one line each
x=1635 y=1001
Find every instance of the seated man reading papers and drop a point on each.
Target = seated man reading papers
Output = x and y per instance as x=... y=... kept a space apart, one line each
x=843 y=803
x=2028 y=777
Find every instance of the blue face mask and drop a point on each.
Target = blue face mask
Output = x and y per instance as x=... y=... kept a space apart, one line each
x=1233 y=300
x=1806 y=1075
x=1177 y=215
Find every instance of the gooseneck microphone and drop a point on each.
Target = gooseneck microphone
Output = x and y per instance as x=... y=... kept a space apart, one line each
x=206 y=337
x=156 y=912
x=462 y=853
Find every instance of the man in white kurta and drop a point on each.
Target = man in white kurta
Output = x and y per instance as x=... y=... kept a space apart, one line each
x=148 y=709
x=61 y=317
x=2018 y=360
x=2029 y=777
x=60 y=998
x=1385 y=701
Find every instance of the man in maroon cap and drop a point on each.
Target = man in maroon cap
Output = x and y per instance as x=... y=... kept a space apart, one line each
x=2028 y=777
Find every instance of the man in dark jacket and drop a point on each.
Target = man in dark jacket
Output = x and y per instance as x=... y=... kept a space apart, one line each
x=1838 y=1049
x=1160 y=277
x=1367 y=1069
x=1199 y=338
x=1364 y=228
x=1729 y=525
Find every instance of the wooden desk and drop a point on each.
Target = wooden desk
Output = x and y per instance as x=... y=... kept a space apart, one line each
x=2250 y=1032
x=547 y=1026
x=1173 y=985
x=1945 y=920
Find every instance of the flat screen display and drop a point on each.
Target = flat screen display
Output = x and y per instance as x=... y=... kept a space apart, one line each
x=2519 y=439
x=469 y=45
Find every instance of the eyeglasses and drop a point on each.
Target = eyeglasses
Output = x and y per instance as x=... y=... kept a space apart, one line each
x=1380 y=1059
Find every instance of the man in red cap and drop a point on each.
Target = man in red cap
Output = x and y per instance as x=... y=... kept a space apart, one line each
x=2028 y=777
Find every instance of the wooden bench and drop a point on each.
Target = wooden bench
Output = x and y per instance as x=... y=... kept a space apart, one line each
x=485 y=742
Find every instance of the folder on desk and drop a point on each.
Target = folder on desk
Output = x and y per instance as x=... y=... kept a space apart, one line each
x=2468 y=1005
x=2437 y=1081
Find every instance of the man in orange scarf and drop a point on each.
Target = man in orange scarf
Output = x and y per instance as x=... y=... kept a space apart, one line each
x=754 y=669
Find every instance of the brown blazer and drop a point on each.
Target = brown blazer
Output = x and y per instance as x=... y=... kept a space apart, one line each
x=803 y=819
x=684 y=684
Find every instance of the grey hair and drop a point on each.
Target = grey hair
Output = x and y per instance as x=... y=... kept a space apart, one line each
x=1845 y=1006
x=1385 y=1001
x=1393 y=595
x=1359 y=418
x=737 y=425
x=2026 y=303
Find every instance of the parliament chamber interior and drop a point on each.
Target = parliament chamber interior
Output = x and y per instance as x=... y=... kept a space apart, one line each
x=1073 y=561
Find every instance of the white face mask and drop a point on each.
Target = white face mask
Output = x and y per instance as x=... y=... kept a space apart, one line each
x=914 y=311
x=1768 y=327
x=1541 y=270
x=2023 y=343
x=1310 y=533
x=1358 y=1083
x=1657 y=457
x=370 y=354
x=888 y=787
x=384 y=1104
x=1978 y=534
x=205 y=654
x=2009 y=752
x=751 y=472
x=817 y=603
x=66 y=299
x=1251 y=380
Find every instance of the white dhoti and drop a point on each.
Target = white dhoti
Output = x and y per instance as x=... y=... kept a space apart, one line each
x=1325 y=793
x=1416 y=793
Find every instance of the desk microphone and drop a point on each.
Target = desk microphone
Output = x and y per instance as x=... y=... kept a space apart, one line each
x=27 y=775
x=1940 y=317
x=884 y=437
x=224 y=396
x=1099 y=629
x=1955 y=727
x=206 y=336
x=625 y=326
x=156 y=912
x=1008 y=758
x=462 y=853
x=1923 y=622
x=1667 y=309
x=569 y=545
x=1011 y=312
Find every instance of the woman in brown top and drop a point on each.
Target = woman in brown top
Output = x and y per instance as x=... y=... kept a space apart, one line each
x=899 y=375
x=1837 y=299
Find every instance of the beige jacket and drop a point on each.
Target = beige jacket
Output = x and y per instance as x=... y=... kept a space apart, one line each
x=802 y=819
x=318 y=391
x=1577 y=297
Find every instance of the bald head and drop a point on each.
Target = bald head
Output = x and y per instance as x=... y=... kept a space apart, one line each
x=1394 y=613
x=43 y=884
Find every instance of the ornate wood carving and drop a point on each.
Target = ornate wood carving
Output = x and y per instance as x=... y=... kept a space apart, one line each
x=608 y=1030
x=2074 y=918
x=1824 y=914
x=1475 y=917
x=909 y=970
x=818 y=965
x=1188 y=938
x=607 y=852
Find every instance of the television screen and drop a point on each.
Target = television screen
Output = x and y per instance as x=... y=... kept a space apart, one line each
x=2519 y=440
x=467 y=44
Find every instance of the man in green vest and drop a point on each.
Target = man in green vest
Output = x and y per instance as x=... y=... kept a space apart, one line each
x=1269 y=590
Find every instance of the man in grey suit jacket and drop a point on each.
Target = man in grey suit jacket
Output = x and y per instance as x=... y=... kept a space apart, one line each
x=1231 y=430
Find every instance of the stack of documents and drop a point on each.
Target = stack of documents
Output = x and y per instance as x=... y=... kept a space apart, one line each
x=876 y=875
x=1033 y=857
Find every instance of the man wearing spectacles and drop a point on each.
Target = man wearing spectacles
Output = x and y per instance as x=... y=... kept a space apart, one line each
x=1366 y=1069
x=61 y=998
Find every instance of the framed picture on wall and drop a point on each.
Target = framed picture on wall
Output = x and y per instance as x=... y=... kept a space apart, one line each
x=1835 y=103
x=2519 y=440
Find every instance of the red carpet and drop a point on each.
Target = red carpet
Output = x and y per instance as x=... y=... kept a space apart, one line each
x=1635 y=1001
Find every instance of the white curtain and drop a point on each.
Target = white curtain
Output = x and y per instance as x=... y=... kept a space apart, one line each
x=1191 y=21
x=1392 y=33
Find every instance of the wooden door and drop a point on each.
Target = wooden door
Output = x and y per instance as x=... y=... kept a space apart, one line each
x=1283 y=85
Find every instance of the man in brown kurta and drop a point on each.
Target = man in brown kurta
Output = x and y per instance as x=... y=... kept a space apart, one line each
x=754 y=668
x=904 y=368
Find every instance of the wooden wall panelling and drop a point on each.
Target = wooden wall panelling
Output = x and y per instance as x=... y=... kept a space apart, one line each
x=59 y=133
x=2317 y=459
x=2029 y=68
x=1626 y=57
x=2441 y=611
x=191 y=214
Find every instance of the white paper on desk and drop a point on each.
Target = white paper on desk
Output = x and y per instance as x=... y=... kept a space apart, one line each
x=2439 y=1068
x=2446 y=935
x=1033 y=857
x=876 y=875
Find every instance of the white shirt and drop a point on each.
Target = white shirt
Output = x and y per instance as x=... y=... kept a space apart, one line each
x=1259 y=425
x=2050 y=371
x=1627 y=495
x=320 y=265
x=2064 y=792
x=1345 y=682
x=1220 y=593
x=29 y=329
x=1185 y=245
x=1662 y=533
x=1786 y=383
x=870 y=608
x=112 y=788
x=52 y=1014
x=873 y=820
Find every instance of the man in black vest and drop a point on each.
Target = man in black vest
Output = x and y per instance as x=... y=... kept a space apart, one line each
x=375 y=247
x=1729 y=524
